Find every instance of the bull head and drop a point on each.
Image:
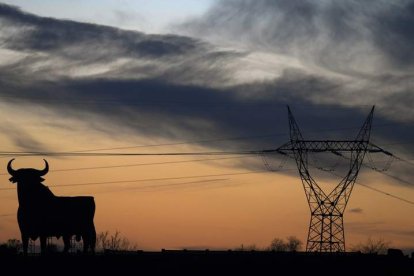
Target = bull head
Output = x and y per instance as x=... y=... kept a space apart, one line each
x=26 y=174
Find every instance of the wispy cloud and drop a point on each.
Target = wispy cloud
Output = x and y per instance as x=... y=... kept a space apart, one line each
x=345 y=36
x=22 y=139
x=363 y=47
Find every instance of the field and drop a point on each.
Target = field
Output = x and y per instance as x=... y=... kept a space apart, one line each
x=211 y=263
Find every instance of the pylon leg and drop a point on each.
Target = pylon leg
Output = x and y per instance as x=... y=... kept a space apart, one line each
x=326 y=233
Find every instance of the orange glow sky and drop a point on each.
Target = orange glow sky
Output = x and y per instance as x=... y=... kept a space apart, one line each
x=216 y=212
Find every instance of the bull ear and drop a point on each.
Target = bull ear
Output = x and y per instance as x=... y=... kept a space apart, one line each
x=10 y=169
x=45 y=170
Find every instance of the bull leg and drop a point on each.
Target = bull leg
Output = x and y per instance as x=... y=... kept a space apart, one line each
x=89 y=239
x=66 y=241
x=43 y=245
x=25 y=242
x=93 y=239
x=85 y=239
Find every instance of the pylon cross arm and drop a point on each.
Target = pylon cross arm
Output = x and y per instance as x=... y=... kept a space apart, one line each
x=334 y=146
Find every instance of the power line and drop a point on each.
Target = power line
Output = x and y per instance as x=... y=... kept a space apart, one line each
x=188 y=142
x=215 y=140
x=150 y=179
x=167 y=154
x=86 y=152
x=172 y=154
x=374 y=189
x=91 y=153
x=157 y=163
x=407 y=161
x=378 y=190
x=193 y=182
x=387 y=194
x=169 y=185
x=383 y=172
x=389 y=175
x=146 y=164
x=197 y=176
x=47 y=98
x=226 y=139
x=98 y=154
x=202 y=176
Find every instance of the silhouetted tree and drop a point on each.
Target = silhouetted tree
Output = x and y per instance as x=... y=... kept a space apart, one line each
x=102 y=240
x=372 y=246
x=278 y=245
x=11 y=246
x=114 y=242
x=14 y=243
x=291 y=244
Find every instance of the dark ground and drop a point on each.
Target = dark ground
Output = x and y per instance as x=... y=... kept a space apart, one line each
x=209 y=263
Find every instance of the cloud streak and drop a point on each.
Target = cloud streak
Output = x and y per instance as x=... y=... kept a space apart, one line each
x=356 y=210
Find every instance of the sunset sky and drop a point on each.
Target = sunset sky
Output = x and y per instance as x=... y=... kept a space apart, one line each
x=208 y=76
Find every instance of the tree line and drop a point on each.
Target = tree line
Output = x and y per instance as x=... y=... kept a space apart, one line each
x=107 y=241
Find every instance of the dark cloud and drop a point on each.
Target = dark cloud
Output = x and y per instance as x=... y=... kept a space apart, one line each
x=47 y=34
x=182 y=88
x=54 y=48
x=154 y=106
x=393 y=32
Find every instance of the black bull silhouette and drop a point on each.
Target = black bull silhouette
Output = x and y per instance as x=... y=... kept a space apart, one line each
x=42 y=214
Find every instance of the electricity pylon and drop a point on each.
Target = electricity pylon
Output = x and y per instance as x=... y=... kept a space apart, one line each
x=326 y=229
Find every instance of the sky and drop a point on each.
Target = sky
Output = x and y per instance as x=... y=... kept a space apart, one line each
x=208 y=76
x=150 y=16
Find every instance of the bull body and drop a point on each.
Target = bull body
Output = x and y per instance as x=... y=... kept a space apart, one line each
x=42 y=214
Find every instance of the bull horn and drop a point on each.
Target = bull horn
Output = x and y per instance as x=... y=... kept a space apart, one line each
x=45 y=170
x=10 y=169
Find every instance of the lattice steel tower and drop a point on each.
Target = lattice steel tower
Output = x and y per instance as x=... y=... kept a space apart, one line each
x=326 y=229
